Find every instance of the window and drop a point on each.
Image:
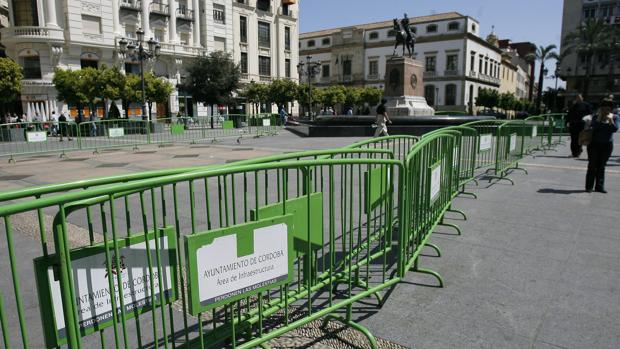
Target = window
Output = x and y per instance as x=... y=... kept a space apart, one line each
x=311 y=43
x=452 y=62
x=373 y=68
x=589 y=12
x=454 y=26
x=325 y=41
x=130 y=31
x=91 y=24
x=264 y=66
x=430 y=63
x=219 y=43
x=219 y=15
x=472 y=62
x=414 y=30
x=241 y=1
x=243 y=28
x=89 y=63
x=24 y=13
x=285 y=10
x=184 y=38
x=158 y=34
x=450 y=94
x=32 y=67
x=264 y=34
x=287 y=68
x=287 y=38
x=429 y=94
x=605 y=11
x=391 y=33
x=132 y=68
x=346 y=67
x=373 y=36
x=263 y=5
x=473 y=27
x=325 y=70
x=486 y=67
x=480 y=65
x=243 y=64
x=431 y=28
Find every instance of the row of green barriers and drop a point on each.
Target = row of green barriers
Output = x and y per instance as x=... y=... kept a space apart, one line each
x=30 y=138
x=237 y=255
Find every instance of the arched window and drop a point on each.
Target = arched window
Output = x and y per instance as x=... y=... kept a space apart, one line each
x=30 y=62
x=89 y=60
x=429 y=94
x=431 y=28
x=450 y=94
x=454 y=26
x=373 y=36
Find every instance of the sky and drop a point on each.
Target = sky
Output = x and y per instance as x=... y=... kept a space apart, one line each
x=537 y=21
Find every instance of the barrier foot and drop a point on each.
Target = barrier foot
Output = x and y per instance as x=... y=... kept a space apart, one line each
x=434 y=247
x=499 y=178
x=135 y=147
x=11 y=159
x=468 y=193
x=415 y=269
x=458 y=230
x=353 y=325
x=62 y=155
x=519 y=168
x=239 y=140
x=96 y=151
x=357 y=282
x=459 y=212
x=476 y=181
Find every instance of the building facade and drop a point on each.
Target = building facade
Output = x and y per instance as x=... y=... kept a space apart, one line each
x=71 y=34
x=458 y=62
x=515 y=75
x=605 y=71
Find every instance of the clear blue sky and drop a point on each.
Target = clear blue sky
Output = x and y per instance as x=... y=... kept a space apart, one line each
x=538 y=21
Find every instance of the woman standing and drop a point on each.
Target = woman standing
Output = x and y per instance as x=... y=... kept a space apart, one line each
x=603 y=125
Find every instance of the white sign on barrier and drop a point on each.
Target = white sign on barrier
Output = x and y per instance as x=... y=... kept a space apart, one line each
x=222 y=274
x=266 y=122
x=485 y=142
x=534 y=131
x=36 y=136
x=116 y=132
x=435 y=182
x=513 y=142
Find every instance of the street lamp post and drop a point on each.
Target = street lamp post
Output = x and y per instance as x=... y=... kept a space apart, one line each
x=310 y=69
x=142 y=55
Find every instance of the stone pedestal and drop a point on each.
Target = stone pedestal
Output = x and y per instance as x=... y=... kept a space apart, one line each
x=404 y=88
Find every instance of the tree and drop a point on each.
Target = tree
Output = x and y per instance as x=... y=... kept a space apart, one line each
x=488 y=98
x=10 y=81
x=213 y=78
x=255 y=94
x=586 y=41
x=156 y=90
x=69 y=89
x=113 y=82
x=352 y=97
x=611 y=47
x=308 y=95
x=333 y=95
x=282 y=91
x=542 y=54
x=90 y=84
x=371 y=95
x=507 y=101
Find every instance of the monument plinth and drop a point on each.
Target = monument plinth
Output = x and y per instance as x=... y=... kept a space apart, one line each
x=404 y=87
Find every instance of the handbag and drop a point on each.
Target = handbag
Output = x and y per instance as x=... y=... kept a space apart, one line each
x=585 y=136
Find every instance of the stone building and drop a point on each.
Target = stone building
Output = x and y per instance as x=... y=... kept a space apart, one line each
x=73 y=34
x=605 y=74
x=458 y=62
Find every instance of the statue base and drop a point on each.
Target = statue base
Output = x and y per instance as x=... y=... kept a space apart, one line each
x=404 y=89
x=408 y=106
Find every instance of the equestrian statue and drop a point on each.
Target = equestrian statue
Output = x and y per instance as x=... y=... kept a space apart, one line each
x=404 y=36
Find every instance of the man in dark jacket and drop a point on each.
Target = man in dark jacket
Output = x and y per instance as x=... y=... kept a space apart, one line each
x=575 y=115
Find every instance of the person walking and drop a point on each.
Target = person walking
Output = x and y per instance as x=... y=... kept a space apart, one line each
x=382 y=118
x=283 y=116
x=574 y=118
x=64 y=126
x=603 y=125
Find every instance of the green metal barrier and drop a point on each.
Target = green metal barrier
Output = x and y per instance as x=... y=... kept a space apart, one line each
x=510 y=148
x=486 y=142
x=535 y=132
x=29 y=138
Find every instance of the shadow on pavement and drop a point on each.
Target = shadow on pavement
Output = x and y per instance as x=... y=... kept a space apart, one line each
x=560 y=191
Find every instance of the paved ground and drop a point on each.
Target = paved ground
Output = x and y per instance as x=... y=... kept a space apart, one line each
x=537 y=266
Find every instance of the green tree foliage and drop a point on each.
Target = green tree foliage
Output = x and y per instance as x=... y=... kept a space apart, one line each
x=371 y=95
x=352 y=96
x=156 y=90
x=333 y=95
x=488 y=98
x=282 y=92
x=10 y=80
x=213 y=78
x=307 y=95
x=255 y=94
x=68 y=86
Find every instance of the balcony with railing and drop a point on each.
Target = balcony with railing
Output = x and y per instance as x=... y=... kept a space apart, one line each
x=180 y=49
x=265 y=78
x=159 y=8
x=430 y=74
x=185 y=13
x=134 y=5
x=451 y=72
x=32 y=34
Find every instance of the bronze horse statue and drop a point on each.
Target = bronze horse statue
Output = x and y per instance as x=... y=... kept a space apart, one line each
x=404 y=37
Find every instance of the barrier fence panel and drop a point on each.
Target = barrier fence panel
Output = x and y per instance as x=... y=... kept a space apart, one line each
x=119 y=133
x=27 y=138
x=485 y=149
x=428 y=193
x=534 y=134
x=510 y=148
x=325 y=225
x=559 y=127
